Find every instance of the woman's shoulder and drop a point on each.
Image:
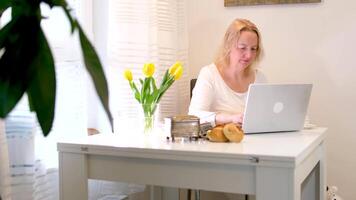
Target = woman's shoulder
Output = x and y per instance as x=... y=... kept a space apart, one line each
x=208 y=75
x=209 y=71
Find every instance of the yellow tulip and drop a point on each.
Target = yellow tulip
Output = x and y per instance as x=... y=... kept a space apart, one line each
x=128 y=75
x=148 y=69
x=174 y=67
x=178 y=72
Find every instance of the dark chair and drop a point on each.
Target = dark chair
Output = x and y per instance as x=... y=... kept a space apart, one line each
x=192 y=85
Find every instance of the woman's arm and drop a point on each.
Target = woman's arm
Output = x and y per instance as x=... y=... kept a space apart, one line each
x=222 y=118
x=203 y=96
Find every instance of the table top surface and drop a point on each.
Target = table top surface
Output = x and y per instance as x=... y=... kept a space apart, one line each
x=289 y=147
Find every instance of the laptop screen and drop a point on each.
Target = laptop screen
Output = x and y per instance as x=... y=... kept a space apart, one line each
x=276 y=107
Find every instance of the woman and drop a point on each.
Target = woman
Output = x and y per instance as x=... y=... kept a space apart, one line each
x=220 y=92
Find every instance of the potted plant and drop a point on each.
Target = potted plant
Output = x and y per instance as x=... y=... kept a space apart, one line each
x=27 y=65
x=148 y=94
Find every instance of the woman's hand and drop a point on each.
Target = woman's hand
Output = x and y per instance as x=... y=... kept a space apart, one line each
x=222 y=118
x=237 y=119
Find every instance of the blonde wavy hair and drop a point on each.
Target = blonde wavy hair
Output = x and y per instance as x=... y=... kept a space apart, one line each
x=231 y=36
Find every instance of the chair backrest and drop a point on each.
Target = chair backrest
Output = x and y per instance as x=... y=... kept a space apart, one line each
x=192 y=85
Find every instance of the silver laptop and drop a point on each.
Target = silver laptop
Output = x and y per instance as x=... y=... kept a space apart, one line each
x=276 y=107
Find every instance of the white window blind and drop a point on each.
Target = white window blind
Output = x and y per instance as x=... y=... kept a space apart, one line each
x=143 y=31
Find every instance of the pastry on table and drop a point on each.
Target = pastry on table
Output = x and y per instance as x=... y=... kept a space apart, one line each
x=226 y=133
x=233 y=133
x=217 y=134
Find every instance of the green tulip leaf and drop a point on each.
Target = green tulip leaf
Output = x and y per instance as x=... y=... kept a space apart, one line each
x=165 y=78
x=153 y=84
x=135 y=91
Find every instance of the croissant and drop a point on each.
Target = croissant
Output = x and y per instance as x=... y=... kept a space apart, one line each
x=217 y=134
x=233 y=133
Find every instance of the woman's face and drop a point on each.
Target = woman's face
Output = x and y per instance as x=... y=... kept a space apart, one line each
x=244 y=52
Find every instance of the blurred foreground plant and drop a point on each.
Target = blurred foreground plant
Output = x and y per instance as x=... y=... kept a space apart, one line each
x=27 y=65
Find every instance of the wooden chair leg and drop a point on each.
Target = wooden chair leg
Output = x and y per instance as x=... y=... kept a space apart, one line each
x=196 y=194
x=189 y=194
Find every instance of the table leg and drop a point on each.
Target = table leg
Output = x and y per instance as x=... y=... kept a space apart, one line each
x=273 y=183
x=73 y=176
x=322 y=172
x=170 y=193
x=155 y=192
x=313 y=186
x=310 y=185
x=162 y=193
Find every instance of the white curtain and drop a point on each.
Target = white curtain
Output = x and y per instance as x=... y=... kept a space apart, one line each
x=5 y=180
x=143 y=31
x=28 y=178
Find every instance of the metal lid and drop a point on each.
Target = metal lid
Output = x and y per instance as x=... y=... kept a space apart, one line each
x=185 y=118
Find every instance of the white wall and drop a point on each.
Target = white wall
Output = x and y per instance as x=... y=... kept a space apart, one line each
x=303 y=43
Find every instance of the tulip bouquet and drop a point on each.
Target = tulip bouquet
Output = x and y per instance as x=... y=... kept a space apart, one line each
x=149 y=95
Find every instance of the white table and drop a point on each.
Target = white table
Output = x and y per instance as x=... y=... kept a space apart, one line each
x=271 y=166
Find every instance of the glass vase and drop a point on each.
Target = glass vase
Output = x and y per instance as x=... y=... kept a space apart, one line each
x=148 y=117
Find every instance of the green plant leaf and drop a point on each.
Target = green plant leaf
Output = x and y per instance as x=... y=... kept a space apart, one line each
x=145 y=92
x=4 y=4
x=165 y=78
x=27 y=65
x=10 y=95
x=23 y=8
x=96 y=72
x=5 y=32
x=42 y=90
x=52 y=3
x=64 y=5
x=72 y=22
x=19 y=41
x=151 y=91
x=164 y=87
x=30 y=103
x=148 y=87
x=135 y=91
x=155 y=96
x=153 y=84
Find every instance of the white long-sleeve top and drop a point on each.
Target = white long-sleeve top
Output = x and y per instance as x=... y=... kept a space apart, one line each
x=211 y=95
